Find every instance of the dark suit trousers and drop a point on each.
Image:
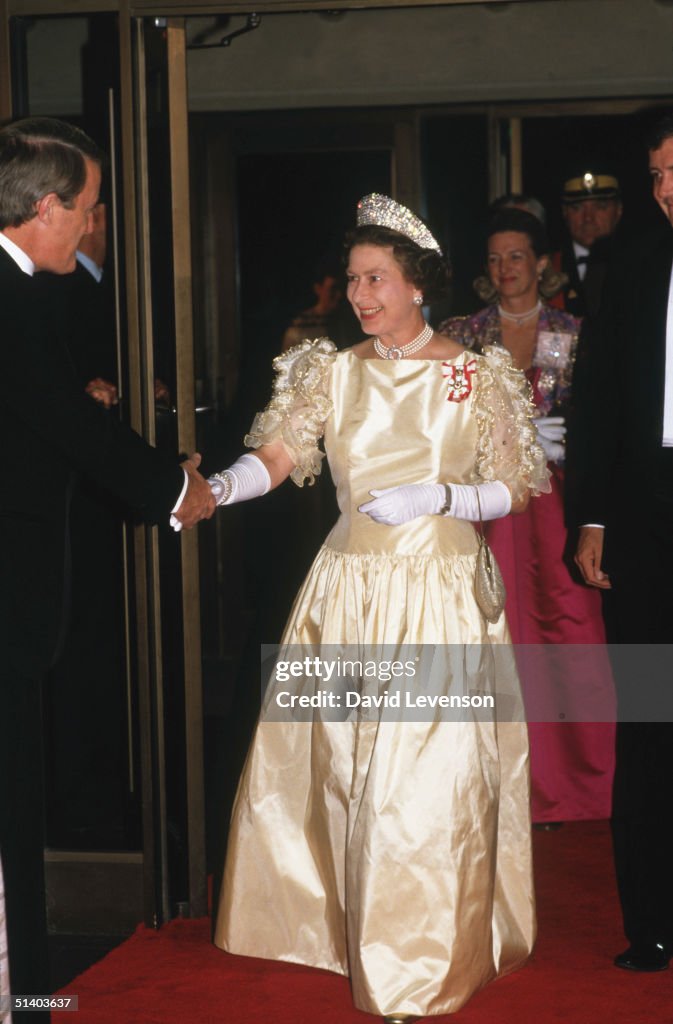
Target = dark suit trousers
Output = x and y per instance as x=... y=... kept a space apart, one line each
x=639 y=611
x=22 y=837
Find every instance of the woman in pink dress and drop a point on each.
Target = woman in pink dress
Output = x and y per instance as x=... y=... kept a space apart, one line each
x=567 y=688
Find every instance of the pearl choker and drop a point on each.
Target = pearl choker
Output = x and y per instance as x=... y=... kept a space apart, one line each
x=520 y=318
x=404 y=351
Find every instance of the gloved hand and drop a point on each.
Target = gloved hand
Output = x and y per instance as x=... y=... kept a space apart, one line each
x=247 y=478
x=551 y=431
x=396 y=505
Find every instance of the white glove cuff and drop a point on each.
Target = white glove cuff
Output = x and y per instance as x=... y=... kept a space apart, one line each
x=494 y=496
x=247 y=478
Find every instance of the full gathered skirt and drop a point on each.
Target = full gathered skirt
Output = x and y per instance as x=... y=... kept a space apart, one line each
x=395 y=852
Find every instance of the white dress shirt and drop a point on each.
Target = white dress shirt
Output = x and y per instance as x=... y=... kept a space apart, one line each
x=581 y=257
x=90 y=265
x=667 y=439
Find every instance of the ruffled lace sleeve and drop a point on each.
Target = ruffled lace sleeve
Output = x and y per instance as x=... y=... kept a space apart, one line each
x=299 y=406
x=507 y=448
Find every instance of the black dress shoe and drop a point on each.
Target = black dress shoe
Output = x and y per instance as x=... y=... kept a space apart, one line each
x=646 y=956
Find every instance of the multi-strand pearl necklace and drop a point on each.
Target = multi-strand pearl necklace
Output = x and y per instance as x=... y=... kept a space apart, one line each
x=520 y=318
x=404 y=351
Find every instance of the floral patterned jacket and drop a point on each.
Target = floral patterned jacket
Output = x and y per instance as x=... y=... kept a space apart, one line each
x=553 y=359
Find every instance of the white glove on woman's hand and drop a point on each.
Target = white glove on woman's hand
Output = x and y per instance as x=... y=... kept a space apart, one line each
x=551 y=431
x=396 y=505
x=247 y=478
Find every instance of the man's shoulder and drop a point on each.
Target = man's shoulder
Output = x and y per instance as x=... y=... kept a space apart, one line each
x=10 y=272
x=647 y=246
x=7 y=265
x=15 y=289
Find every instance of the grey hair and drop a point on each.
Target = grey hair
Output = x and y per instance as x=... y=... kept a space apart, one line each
x=39 y=155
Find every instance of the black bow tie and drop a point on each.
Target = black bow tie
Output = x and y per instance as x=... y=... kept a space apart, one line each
x=582 y=259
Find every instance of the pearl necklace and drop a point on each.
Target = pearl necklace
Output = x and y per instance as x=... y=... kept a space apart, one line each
x=520 y=318
x=404 y=351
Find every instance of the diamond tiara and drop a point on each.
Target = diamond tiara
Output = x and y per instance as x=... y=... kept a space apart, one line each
x=386 y=213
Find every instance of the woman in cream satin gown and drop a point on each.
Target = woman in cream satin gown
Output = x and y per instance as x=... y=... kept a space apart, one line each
x=396 y=852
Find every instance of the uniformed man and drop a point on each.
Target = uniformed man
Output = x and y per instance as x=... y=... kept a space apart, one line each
x=592 y=209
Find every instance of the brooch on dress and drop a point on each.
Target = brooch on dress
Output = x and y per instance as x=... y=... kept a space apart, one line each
x=459 y=380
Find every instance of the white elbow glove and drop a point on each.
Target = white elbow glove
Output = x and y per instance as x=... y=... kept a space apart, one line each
x=551 y=431
x=495 y=500
x=247 y=478
x=396 y=505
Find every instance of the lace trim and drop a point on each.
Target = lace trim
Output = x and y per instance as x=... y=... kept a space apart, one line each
x=299 y=406
x=507 y=448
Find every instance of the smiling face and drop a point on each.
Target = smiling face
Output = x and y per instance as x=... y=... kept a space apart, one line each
x=661 y=170
x=381 y=296
x=62 y=228
x=513 y=267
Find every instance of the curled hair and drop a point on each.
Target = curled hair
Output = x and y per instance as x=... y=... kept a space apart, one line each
x=550 y=284
x=40 y=155
x=510 y=219
x=424 y=268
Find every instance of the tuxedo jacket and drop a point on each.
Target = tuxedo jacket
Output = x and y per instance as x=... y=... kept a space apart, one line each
x=572 y=297
x=51 y=431
x=618 y=471
x=583 y=297
x=87 y=306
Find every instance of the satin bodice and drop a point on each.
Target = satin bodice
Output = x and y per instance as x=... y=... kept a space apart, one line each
x=393 y=424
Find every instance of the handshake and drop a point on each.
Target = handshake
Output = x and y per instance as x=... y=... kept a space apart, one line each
x=247 y=478
x=198 y=501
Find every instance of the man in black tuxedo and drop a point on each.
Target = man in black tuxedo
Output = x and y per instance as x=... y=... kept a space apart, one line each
x=49 y=180
x=621 y=457
x=592 y=209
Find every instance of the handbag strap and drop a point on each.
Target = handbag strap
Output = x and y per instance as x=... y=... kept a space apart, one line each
x=481 y=522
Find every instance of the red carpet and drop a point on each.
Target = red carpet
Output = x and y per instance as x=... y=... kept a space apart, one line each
x=175 y=976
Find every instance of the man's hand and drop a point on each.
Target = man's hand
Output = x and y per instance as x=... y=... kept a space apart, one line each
x=589 y=555
x=198 y=502
x=103 y=391
x=161 y=392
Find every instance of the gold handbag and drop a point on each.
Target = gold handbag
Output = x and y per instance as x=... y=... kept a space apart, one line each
x=489 y=588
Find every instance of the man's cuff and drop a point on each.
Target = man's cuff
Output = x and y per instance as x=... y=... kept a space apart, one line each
x=595 y=526
x=174 y=522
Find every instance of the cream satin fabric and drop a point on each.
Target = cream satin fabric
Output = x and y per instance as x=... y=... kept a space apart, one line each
x=397 y=853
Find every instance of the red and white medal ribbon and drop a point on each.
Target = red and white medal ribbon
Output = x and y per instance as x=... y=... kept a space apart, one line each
x=459 y=379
